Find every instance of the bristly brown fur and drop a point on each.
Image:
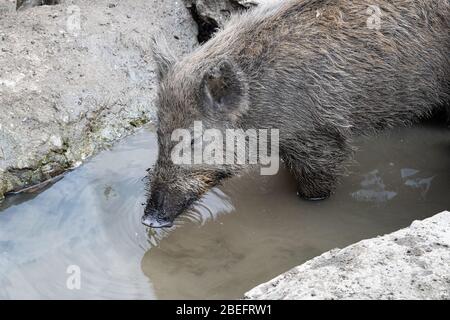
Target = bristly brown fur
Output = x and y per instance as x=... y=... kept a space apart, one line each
x=314 y=70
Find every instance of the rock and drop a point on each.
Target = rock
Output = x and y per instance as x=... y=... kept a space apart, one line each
x=413 y=263
x=7 y=6
x=76 y=77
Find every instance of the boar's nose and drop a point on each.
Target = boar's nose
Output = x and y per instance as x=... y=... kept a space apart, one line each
x=153 y=221
x=154 y=216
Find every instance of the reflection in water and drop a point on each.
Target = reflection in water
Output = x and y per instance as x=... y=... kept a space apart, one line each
x=89 y=219
x=246 y=232
x=374 y=190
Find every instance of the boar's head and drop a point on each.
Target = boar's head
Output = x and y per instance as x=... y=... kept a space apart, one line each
x=200 y=87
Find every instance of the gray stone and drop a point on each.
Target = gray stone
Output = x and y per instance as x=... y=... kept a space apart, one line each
x=412 y=263
x=76 y=77
x=7 y=6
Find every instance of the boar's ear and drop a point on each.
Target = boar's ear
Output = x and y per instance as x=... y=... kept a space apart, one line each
x=162 y=55
x=224 y=89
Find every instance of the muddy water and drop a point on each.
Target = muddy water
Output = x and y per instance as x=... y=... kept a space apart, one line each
x=246 y=232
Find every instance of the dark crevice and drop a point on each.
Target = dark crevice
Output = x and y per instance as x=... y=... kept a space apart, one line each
x=24 y=4
x=206 y=26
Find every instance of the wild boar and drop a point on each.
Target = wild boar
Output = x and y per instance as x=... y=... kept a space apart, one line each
x=320 y=71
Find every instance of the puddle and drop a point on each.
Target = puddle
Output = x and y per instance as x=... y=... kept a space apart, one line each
x=244 y=233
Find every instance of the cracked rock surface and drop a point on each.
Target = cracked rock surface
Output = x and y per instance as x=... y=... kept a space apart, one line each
x=75 y=77
x=412 y=263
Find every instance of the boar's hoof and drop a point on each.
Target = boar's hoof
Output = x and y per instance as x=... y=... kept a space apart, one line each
x=317 y=198
x=314 y=196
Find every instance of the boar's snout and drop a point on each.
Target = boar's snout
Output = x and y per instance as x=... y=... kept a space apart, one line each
x=151 y=219
x=163 y=206
x=156 y=213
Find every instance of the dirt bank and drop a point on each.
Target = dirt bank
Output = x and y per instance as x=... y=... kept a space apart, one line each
x=76 y=77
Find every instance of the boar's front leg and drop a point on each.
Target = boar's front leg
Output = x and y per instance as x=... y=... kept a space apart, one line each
x=317 y=163
x=313 y=182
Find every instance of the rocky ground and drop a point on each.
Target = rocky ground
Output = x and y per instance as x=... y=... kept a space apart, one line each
x=75 y=77
x=412 y=263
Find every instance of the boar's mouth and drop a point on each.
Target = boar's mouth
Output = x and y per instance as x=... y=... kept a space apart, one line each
x=165 y=205
x=163 y=218
x=154 y=221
